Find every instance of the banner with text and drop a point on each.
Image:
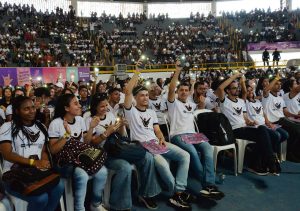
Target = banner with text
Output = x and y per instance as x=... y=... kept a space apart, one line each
x=272 y=46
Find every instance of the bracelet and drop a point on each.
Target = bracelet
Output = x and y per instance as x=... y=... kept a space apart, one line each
x=31 y=162
x=67 y=135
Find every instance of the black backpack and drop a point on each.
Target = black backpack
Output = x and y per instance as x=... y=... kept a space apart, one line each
x=216 y=127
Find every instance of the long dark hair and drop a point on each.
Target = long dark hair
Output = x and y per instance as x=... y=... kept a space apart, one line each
x=96 y=100
x=17 y=122
x=259 y=85
x=62 y=102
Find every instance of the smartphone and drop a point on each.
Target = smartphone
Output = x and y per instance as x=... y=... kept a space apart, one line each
x=143 y=61
x=182 y=60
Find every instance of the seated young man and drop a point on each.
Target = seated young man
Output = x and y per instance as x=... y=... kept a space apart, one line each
x=234 y=109
x=182 y=124
x=277 y=113
x=144 y=128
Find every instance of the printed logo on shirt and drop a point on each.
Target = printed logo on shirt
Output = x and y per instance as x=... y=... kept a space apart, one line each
x=77 y=136
x=145 y=121
x=188 y=107
x=238 y=110
x=106 y=125
x=277 y=106
x=298 y=100
x=33 y=137
x=257 y=109
x=157 y=105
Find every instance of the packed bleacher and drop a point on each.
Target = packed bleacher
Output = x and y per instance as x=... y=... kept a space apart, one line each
x=58 y=38
x=117 y=133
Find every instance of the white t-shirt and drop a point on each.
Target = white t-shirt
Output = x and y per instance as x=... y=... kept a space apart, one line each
x=181 y=117
x=141 y=124
x=20 y=144
x=273 y=107
x=292 y=104
x=156 y=105
x=8 y=110
x=2 y=114
x=234 y=112
x=255 y=111
x=113 y=110
x=108 y=120
x=57 y=129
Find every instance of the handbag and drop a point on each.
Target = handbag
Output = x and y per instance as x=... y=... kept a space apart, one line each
x=121 y=147
x=28 y=180
x=83 y=155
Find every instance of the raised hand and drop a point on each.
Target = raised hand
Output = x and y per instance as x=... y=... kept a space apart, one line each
x=7 y=80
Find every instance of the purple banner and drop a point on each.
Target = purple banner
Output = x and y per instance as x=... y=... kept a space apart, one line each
x=84 y=73
x=8 y=76
x=36 y=73
x=271 y=46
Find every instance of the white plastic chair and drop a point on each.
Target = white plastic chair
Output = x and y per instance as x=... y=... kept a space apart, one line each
x=69 y=195
x=217 y=149
x=283 y=151
x=242 y=144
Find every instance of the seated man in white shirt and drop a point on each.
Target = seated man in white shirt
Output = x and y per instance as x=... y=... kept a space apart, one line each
x=181 y=116
x=234 y=109
x=207 y=99
x=276 y=111
x=113 y=102
x=157 y=104
x=144 y=128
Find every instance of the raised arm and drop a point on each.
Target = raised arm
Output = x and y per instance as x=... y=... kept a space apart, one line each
x=173 y=83
x=267 y=89
x=244 y=88
x=131 y=84
x=220 y=92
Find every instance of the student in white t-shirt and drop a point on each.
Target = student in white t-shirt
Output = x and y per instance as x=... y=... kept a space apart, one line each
x=234 y=109
x=68 y=123
x=156 y=103
x=256 y=114
x=21 y=140
x=207 y=99
x=180 y=112
x=107 y=127
x=143 y=124
x=277 y=112
x=113 y=102
x=292 y=97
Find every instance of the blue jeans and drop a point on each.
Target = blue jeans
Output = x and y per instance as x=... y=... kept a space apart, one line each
x=149 y=185
x=182 y=158
x=202 y=164
x=80 y=180
x=47 y=201
x=277 y=137
x=120 y=195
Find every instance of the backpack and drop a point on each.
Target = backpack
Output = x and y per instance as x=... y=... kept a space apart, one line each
x=216 y=127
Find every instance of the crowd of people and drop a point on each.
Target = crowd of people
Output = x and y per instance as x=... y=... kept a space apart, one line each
x=59 y=38
x=261 y=25
x=260 y=106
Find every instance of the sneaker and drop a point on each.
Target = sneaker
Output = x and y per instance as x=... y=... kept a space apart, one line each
x=212 y=192
x=98 y=208
x=188 y=197
x=274 y=168
x=148 y=202
x=179 y=203
x=258 y=171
